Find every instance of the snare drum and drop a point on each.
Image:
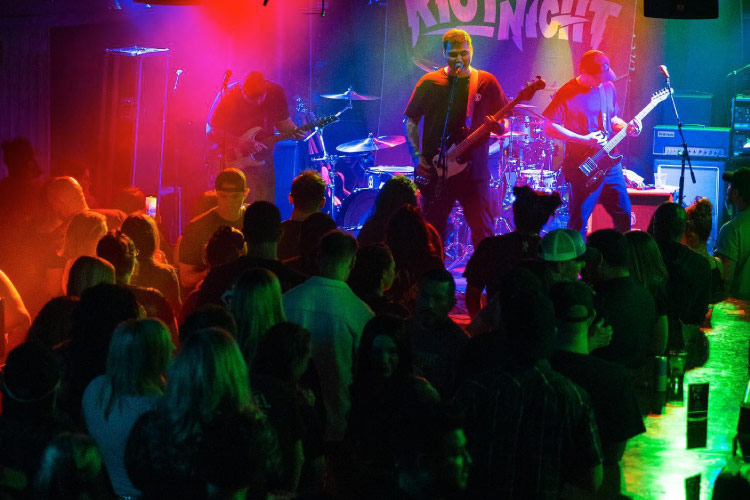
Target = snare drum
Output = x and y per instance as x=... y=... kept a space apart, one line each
x=538 y=180
x=377 y=176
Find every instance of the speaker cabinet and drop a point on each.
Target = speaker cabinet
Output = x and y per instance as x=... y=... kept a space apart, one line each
x=681 y=9
x=642 y=207
x=289 y=159
x=708 y=184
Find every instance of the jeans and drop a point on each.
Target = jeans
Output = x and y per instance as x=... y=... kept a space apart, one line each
x=612 y=193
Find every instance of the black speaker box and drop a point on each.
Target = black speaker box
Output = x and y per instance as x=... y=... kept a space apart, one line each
x=289 y=159
x=681 y=9
x=695 y=109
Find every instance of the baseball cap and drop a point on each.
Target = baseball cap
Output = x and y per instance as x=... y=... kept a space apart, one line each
x=596 y=62
x=566 y=244
x=231 y=180
x=573 y=301
x=739 y=180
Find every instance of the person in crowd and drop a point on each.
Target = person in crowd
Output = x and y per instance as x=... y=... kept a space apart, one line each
x=436 y=340
x=326 y=306
x=20 y=190
x=262 y=229
x=699 y=224
x=437 y=462
x=255 y=302
x=226 y=245
x=238 y=457
x=496 y=255
x=53 y=326
x=689 y=284
x=372 y=276
x=15 y=316
x=408 y=238
x=623 y=303
x=208 y=316
x=307 y=196
x=231 y=191
x=81 y=172
x=118 y=249
x=29 y=421
x=130 y=200
x=647 y=268
x=731 y=247
x=395 y=193
x=386 y=396
x=100 y=310
x=616 y=408
x=207 y=378
x=83 y=233
x=529 y=429
x=72 y=468
x=131 y=385
x=290 y=388
x=565 y=254
x=151 y=273
x=88 y=271
x=313 y=228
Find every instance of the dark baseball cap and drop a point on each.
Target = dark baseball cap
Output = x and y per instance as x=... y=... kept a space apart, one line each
x=573 y=301
x=231 y=180
x=739 y=180
x=596 y=63
x=566 y=244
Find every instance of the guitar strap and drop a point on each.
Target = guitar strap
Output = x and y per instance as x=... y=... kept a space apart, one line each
x=473 y=84
x=603 y=113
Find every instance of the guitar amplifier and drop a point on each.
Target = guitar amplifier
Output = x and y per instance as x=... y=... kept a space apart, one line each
x=703 y=142
x=643 y=204
x=289 y=158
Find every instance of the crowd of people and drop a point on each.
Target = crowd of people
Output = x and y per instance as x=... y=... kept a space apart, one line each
x=262 y=358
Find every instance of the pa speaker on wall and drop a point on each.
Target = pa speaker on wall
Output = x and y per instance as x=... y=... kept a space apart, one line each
x=681 y=9
x=708 y=184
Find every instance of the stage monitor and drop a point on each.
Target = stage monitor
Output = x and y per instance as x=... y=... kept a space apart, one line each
x=681 y=9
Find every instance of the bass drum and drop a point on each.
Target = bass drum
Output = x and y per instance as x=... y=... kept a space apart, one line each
x=356 y=208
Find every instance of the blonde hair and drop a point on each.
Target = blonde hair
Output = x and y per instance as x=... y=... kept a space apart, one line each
x=208 y=378
x=86 y=272
x=84 y=231
x=256 y=306
x=456 y=35
x=139 y=352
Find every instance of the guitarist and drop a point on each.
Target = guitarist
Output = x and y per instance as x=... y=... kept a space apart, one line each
x=431 y=99
x=251 y=102
x=583 y=113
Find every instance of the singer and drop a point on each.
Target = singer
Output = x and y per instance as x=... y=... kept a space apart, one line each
x=475 y=94
x=250 y=104
x=583 y=113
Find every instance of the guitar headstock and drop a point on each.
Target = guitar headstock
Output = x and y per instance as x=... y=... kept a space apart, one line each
x=326 y=120
x=661 y=95
x=530 y=89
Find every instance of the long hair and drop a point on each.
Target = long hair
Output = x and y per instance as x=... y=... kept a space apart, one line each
x=84 y=231
x=139 y=352
x=86 y=272
x=407 y=237
x=208 y=378
x=369 y=268
x=256 y=306
x=646 y=263
x=145 y=235
x=393 y=327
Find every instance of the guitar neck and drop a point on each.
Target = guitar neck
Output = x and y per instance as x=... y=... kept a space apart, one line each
x=273 y=139
x=483 y=130
x=615 y=140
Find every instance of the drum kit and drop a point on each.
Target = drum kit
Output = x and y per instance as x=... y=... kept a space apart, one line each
x=521 y=156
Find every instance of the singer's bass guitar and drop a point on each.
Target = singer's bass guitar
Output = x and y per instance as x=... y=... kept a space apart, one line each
x=595 y=167
x=452 y=163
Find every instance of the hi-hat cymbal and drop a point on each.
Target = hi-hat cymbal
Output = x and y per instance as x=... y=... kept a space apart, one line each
x=371 y=143
x=351 y=95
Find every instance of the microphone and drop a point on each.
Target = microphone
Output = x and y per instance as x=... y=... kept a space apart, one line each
x=664 y=71
x=458 y=67
x=227 y=75
x=177 y=79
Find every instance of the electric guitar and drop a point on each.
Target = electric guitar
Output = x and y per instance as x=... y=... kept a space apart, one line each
x=596 y=166
x=243 y=158
x=452 y=164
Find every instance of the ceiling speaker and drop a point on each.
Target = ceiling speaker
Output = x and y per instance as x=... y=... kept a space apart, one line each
x=681 y=9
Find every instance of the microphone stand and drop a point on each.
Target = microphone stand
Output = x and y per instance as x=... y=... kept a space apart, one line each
x=443 y=138
x=223 y=92
x=685 y=155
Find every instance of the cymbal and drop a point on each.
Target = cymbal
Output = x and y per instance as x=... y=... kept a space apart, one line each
x=351 y=95
x=527 y=106
x=371 y=143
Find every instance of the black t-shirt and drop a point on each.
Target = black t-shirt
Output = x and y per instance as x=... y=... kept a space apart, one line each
x=689 y=285
x=611 y=391
x=199 y=231
x=578 y=108
x=232 y=113
x=430 y=100
x=629 y=309
x=291 y=230
x=437 y=353
x=497 y=255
